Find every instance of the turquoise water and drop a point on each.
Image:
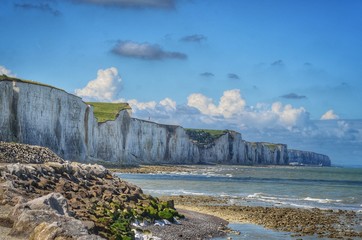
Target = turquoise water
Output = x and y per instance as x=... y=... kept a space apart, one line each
x=305 y=187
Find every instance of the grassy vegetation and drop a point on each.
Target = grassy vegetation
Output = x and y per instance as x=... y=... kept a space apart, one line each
x=107 y=111
x=271 y=146
x=204 y=136
x=7 y=78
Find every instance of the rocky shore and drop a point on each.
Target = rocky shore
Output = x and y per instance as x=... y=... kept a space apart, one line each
x=44 y=197
x=318 y=223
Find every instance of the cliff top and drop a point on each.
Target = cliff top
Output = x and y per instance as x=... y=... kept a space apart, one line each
x=272 y=146
x=204 y=136
x=107 y=111
x=13 y=79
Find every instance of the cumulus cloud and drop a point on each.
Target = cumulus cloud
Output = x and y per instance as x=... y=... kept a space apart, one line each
x=163 y=4
x=44 y=7
x=233 y=76
x=194 y=38
x=104 y=88
x=145 y=51
x=231 y=111
x=5 y=71
x=329 y=115
x=207 y=74
x=293 y=96
x=288 y=116
x=231 y=103
x=168 y=103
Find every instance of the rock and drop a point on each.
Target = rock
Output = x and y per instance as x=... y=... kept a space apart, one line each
x=47 y=218
x=67 y=126
x=23 y=153
x=71 y=229
x=77 y=197
x=308 y=158
x=53 y=202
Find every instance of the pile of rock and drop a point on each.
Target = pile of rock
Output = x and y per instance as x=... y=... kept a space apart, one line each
x=23 y=153
x=88 y=197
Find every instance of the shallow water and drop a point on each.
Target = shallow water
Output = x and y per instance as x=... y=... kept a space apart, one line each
x=256 y=232
x=306 y=187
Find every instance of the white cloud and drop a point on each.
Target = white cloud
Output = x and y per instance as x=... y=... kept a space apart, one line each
x=289 y=116
x=230 y=104
x=104 y=88
x=168 y=103
x=136 y=106
x=7 y=72
x=230 y=112
x=329 y=115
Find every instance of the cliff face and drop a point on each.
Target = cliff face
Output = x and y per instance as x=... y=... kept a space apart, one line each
x=308 y=158
x=46 y=116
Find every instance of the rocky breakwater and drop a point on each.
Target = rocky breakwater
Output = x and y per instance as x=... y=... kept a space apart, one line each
x=50 y=198
x=308 y=158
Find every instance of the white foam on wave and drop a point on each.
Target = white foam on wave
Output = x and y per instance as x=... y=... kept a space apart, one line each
x=295 y=202
x=264 y=196
x=318 y=200
x=173 y=192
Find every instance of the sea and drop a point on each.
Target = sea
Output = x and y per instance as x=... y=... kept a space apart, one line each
x=287 y=186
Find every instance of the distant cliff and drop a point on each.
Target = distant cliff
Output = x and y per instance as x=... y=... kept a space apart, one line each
x=308 y=158
x=43 y=115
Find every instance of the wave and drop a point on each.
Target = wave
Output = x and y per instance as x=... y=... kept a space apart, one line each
x=173 y=192
x=322 y=200
x=305 y=202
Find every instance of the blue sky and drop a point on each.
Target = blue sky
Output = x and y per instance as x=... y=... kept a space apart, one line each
x=268 y=69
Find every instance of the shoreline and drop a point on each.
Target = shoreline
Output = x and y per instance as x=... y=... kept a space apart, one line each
x=191 y=168
x=299 y=222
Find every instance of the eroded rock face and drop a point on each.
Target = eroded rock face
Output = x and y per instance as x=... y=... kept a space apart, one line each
x=46 y=116
x=308 y=158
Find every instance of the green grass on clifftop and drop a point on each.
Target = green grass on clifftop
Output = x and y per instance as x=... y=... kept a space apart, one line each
x=204 y=136
x=7 y=78
x=107 y=111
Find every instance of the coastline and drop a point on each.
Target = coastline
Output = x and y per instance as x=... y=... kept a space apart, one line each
x=168 y=169
x=83 y=185
x=299 y=222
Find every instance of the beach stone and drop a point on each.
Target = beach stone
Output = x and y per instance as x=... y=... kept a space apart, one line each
x=47 y=218
x=53 y=202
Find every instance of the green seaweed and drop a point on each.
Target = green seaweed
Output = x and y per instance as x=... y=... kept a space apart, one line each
x=113 y=219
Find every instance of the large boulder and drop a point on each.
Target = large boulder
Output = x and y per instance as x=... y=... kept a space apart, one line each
x=47 y=218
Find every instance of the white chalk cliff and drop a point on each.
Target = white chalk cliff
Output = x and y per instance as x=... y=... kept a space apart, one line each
x=42 y=115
